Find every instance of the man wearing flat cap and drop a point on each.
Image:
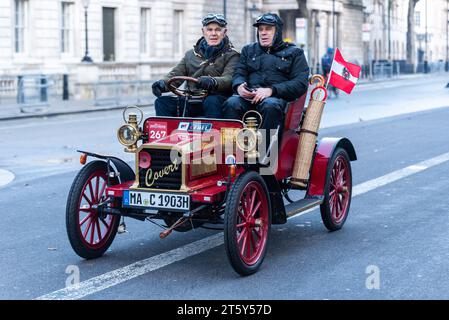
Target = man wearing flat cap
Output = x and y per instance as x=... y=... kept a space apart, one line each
x=270 y=73
x=212 y=61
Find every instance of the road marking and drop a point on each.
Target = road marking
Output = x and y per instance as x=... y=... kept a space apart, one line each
x=399 y=174
x=136 y=269
x=392 y=177
x=139 y=268
x=5 y=177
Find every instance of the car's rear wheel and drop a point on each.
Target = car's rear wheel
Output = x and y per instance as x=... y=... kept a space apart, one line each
x=247 y=223
x=337 y=191
x=90 y=232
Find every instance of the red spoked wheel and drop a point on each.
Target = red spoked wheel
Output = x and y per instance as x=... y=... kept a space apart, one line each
x=247 y=223
x=337 y=191
x=90 y=232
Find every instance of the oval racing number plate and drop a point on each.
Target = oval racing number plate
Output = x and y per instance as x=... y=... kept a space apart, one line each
x=157 y=130
x=156 y=200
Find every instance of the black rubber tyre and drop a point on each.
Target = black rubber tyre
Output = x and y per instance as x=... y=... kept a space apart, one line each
x=337 y=191
x=251 y=228
x=84 y=181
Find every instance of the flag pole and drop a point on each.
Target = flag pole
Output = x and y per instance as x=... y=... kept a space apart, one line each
x=330 y=72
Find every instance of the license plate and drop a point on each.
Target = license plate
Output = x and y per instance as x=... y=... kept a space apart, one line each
x=156 y=200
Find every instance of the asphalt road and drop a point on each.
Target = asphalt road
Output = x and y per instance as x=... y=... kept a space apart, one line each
x=395 y=233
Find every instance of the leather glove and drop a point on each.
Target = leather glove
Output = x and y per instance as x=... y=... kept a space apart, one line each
x=158 y=88
x=207 y=83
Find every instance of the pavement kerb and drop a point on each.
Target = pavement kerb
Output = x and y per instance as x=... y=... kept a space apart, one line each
x=59 y=113
x=363 y=83
x=398 y=78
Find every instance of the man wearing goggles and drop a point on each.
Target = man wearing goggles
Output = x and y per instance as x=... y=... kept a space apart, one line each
x=270 y=73
x=212 y=61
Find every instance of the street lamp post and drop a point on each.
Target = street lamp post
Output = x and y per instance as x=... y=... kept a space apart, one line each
x=86 y=57
x=426 y=62
x=253 y=12
x=224 y=8
x=389 y=30
x=447 y=37
x=334 y=31
x=317 y=32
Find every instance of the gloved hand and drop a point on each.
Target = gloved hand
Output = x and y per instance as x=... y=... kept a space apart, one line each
x=207 y=83
x=158 y=88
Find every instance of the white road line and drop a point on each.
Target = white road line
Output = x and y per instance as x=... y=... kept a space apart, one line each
x=399 y=174
x=136 y=269
x=5 y=177
x=391 y=177
x=139 y=268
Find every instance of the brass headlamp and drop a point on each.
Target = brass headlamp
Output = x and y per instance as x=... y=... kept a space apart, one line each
x=248 y=138
x=129 y=133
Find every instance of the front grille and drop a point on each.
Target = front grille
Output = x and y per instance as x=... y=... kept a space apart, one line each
x=160 y=159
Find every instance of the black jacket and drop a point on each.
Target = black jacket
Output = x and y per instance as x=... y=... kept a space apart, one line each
x=282 y=67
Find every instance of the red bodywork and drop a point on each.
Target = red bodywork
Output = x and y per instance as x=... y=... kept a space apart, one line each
x=290 y=138
x=174 y=132
x=319 y=167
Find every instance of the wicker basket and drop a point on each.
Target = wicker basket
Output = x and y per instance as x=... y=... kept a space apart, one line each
x=306 y=145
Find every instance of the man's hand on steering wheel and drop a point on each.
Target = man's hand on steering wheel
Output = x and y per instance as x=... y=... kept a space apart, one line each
x=207 y=83
x=187 y=91
x=159 y=87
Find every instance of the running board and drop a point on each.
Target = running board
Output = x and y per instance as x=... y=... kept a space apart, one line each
x=302 y=205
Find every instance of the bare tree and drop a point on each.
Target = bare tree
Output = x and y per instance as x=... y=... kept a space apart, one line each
x=411 y=32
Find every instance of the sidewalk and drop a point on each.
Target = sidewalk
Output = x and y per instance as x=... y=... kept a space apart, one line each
x=56 y=108
x=397 y=78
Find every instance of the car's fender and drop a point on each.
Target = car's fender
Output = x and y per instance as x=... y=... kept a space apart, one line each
x=323 y=153
x=278 y=214
x=119 y=166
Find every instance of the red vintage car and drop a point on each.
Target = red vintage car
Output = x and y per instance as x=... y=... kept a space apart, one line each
x=184 y=177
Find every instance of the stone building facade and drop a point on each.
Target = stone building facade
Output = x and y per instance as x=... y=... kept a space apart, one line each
x=127 y=39
x=432 y=19
x=322 y=24
x=142 y=39
x=386 y=31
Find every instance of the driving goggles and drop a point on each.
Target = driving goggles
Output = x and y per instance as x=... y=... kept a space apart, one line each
x=267 y=18
x=212 y=17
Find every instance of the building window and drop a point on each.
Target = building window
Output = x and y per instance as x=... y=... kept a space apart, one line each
x=145 y=19
x=178 y=22
x=66 y=26
x=108 y=34
x=20 y=24
x=418 y=19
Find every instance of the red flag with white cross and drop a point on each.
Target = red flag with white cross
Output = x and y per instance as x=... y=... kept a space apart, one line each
x=343 y=74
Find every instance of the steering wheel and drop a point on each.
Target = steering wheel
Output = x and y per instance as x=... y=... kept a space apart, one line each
x=189 y=93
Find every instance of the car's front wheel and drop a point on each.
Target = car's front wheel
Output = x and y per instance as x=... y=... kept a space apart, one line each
x=90 y=232
x=247 y=223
